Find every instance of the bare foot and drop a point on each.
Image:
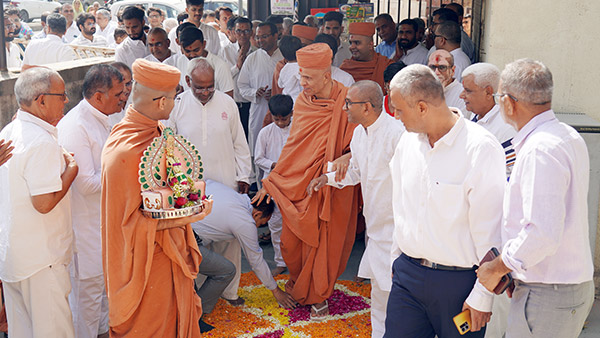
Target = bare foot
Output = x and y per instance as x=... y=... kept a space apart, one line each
x=278 y=270
x=319 y=311
x=357 y=279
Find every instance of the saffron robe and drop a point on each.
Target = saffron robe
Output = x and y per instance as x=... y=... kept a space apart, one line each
x=149 y=273
x=318 y=231
x=367 y=70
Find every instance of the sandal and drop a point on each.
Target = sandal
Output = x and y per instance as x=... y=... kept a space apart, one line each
x=317 y=317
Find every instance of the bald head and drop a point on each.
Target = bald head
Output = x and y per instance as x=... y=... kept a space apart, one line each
x=438 y=54
x=158 y=32
x=368 y=91
x=442 y=63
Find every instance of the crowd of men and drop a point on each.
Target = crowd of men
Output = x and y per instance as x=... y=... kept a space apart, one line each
x=453 y=158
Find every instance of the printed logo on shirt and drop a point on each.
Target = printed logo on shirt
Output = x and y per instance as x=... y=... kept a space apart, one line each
x=224 y=116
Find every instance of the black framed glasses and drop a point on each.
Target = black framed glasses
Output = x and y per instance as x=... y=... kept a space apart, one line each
x=499 y=96
x=243 y=31
x=63 y=95
x=441 y=68
x=166 y=97
x=348 y=103
x=438 y=36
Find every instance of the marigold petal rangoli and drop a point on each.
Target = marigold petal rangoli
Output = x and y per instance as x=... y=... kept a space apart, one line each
x=262 y=317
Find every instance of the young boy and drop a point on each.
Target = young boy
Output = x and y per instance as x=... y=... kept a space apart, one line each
x=269 y=143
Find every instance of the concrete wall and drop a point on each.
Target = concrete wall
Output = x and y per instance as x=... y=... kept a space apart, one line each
x=72 y=72
x=563 y=34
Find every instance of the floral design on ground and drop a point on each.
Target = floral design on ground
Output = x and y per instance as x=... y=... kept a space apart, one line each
x=261 y=316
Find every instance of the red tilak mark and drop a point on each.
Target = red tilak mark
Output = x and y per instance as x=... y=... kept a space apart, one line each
x=437 y=58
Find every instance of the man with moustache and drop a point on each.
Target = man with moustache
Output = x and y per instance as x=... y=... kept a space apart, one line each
x=86 y=22
x=13 y=54
x=332 y=25
x=408 y=49
x=442 y=64
x=158 y=43
x=72 y=31
x=386 y=30
x=135 y=45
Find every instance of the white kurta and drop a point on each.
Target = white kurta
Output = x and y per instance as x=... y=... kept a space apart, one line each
x=130 y=50
x=109 y=31
x=13 y=56
x=416 y=55
x=289 y=79
x=211 y=36
x=171 y=60
x=51 y=49
x=452 y=95
x=99 y=41
x=231 y=218
x=215 y=129
x=84 y=131
x=223 y=79
x=257 y=72
x=72 y=32
x=230 y=55
x=269 y=143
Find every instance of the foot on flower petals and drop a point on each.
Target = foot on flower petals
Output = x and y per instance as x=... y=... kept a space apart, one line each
x=319 y=311
x=236 y=302
x=278 y=270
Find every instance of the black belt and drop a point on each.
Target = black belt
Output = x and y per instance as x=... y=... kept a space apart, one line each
x=435 y=266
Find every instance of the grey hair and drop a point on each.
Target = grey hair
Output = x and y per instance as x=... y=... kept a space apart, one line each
x=104 y=13
x=528 y=80
x=484 y=75
x=370 y=91
x=418 y=83
x=201 y=63
x=32 y=83
x=287 y=22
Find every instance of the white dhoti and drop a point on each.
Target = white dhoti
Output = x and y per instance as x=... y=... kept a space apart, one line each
x=89 y=305
x=379 y=299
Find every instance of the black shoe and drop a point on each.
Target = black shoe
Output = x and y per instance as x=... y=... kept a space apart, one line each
x=204 y=327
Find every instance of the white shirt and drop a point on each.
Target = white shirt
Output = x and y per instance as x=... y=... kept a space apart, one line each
x=289 y=79
x=342 y=54
x=48 y=50
x=39 y=35
x=98 y=41
x=83 y=132
x=72 y=32
x=452 y=95
x=545 y=226
x=223 y=39
x=230 y=55
x=171 y=60
x=13 y=56
x=215 y=129
x=504 y=132
x=447 y=199
x=461 y=61
x=372 y=149
x=31 y=241
x=223 y=79
x=269 y=143
x=418 y=54
x=231 y=218
x=257 y=72
x=211 y=36
x=108 y=32
x=130 y=50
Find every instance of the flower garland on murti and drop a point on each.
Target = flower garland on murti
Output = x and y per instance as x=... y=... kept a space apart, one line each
x=262 y=317
x=184 y=193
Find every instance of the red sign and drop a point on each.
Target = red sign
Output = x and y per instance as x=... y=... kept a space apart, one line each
x=320 y=12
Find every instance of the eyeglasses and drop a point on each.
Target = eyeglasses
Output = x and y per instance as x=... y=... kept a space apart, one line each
x=348 y=103
x=441 y=68
x=199 y=90
x=243 y=31
x=266 y=36
x=499 y=96
x=438 y=36
x=166 y=97
x=63 y=95
x=154 y=16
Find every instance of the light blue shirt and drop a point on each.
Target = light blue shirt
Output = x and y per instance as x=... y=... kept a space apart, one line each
x=385 y=49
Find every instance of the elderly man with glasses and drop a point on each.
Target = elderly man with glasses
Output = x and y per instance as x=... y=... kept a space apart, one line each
x=442 y=64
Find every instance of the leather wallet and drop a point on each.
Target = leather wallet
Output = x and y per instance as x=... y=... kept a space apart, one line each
x=506 y=281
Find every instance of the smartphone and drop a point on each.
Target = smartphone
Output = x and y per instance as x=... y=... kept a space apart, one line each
x=463 y=322
x=506 y=281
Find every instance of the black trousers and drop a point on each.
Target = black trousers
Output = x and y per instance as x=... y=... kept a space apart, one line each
x=244 y=108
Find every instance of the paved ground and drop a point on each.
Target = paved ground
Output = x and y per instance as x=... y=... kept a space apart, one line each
x=591 y=330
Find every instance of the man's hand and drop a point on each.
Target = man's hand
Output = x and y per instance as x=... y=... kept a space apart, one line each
x=267 y=93
x=242 y=54
x=478 y=318
x=283 y=298
x=490 y=273
x=243 y=187
x=70 y=160
x=262 y=91
x=5 y=151
x=260 y=195
x=316 y=184
x=340 y=166
x=273 y=165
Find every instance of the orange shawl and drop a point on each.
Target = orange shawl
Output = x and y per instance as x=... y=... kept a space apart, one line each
x=367 y=70
x=149 y=274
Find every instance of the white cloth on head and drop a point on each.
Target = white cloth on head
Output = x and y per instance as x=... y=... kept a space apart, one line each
x=51 y=49
x=31 y=241
x=545 y=227
x=257 y=72
x=289 y=79
x=72 y=32
x=447 y=199
x=83 y=132
x=415 y=55
x=216 y=131
x=99 y=41
x=452 y=95
x=129 y=50
x=372 y=149
x=108 y=32
x=230 y=55
x=223 y=79
x=231 y=218
x=342 y=54
x=211 y=36
x=13 y=56
x=504 y=132
x=38 y=306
